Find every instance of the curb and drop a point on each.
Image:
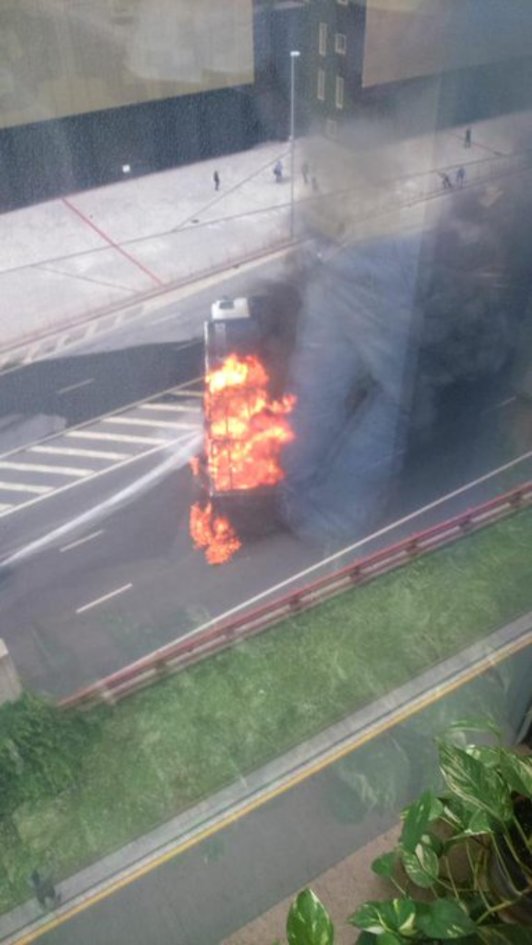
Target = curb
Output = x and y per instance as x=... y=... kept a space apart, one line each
x=220 y=634
x=42 y=344
x=119 y=869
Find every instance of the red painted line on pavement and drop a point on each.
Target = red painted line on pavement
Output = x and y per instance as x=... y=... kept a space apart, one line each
x=111 y=242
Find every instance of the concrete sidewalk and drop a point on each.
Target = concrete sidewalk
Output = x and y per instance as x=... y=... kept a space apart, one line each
x=190 y=828
x=67 y=259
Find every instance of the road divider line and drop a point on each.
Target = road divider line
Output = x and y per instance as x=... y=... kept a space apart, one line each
x=82 y=541
x=188 y=393
x=59 y=470
x=138 y=421
x=72 y=451
x=193 y=444
x=3 y=507
x=51 y=437
x=106 y=597
x=66 y=390
x=20 y=487
x=119 y=437
x=357 y=545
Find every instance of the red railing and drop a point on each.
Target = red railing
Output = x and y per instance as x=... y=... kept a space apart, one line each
x=222 y=633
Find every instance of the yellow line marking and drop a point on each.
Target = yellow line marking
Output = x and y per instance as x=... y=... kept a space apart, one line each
x=59 y=470
x=373 y=731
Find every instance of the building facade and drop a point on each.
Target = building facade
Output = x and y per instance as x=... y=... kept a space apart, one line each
x=83 y=95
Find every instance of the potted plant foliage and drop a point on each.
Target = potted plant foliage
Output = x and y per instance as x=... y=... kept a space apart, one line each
x=462 y=866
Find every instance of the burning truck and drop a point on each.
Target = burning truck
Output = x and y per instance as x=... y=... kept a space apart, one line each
x=247 y=424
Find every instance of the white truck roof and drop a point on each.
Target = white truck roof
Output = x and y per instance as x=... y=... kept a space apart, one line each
x=226 y=308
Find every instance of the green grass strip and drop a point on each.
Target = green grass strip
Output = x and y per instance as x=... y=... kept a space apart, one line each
x=182 y=739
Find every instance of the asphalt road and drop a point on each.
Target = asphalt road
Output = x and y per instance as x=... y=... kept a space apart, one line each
x=111 y=575
x=98 y=575
x=205 y=893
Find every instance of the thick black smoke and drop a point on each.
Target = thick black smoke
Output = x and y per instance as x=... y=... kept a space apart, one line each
x=386 y=329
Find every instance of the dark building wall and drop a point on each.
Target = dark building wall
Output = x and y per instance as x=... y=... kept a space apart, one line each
x=46 y=159
x=415 y=106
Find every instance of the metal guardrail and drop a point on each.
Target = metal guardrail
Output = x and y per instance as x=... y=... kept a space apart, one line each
x=175 y=656
x=84 y=326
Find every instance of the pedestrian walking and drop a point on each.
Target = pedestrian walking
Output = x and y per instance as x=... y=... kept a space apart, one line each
x=44 y=889
x=446 y=182
x=216 y=179
x=278 y=171
x=305 y=170
x=315 y=186
x=460 y=177
x=467 y=138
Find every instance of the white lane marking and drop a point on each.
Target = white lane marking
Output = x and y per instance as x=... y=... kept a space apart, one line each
x=19 y=487
x=192 y=441
x=118 y=437
x=4 y=507
x=167 y=318
x=181 y=408
x=188 y=393
x=60 y=470
x=65 y=390
x=81 y=541
x=359 y=544
x=171 y=424
x=101 y=600
x=500 y=405
x=70 y=451
x=181 y=388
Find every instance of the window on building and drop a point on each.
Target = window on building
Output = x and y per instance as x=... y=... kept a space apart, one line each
x=322 y=41
x=340 y=43
x=339 y=98
x=321 y=85
x=343 y=3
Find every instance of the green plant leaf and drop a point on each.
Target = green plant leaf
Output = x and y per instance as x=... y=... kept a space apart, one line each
x=517 y=771
x=478 y=787
x=308 y=921
x=416 y=821
x=434 y=842
x=475 y=725
x=385 y=865
x=444 y=919
x=491 y=757
x=367 y=938
x=397 y=916
x=421 y=867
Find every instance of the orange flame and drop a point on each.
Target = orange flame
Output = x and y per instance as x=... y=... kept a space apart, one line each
x=246 y=429
x=245 y=432
x=214 y=533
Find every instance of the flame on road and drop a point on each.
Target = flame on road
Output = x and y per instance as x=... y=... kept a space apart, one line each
x=214 y=533
x=245 y=433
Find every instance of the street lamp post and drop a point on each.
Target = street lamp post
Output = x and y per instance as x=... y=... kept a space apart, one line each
x=294 y=54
